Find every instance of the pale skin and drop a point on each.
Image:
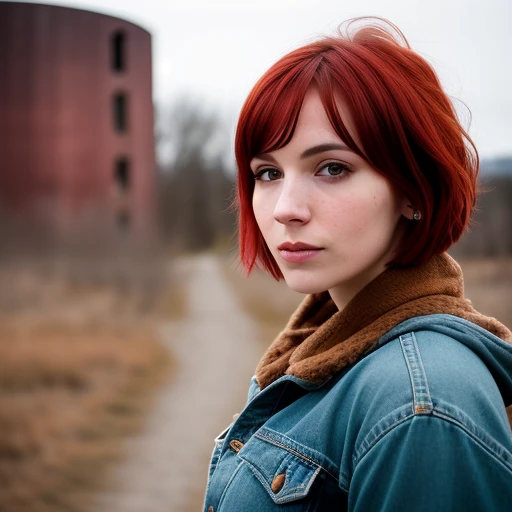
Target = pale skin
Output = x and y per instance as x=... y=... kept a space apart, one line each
x=316 y=191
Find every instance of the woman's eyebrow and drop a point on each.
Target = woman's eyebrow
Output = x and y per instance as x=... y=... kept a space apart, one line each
x=323 y=147
x=320 y=148
x=266 y=156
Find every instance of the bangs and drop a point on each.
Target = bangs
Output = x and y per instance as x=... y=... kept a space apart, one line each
x=266 y=123
x=274 y=105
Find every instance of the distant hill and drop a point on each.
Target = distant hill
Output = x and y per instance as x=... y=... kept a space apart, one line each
x=500 y=166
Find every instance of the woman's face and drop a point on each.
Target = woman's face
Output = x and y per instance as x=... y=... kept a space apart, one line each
x=329 y=219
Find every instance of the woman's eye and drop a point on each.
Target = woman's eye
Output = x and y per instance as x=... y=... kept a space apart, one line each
x=333 y=169
x=268 y=175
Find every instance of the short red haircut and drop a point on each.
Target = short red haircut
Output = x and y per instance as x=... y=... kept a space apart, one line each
x=407 y=126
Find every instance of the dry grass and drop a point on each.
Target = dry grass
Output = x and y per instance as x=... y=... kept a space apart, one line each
x=269 y=302
x=488 y=284
x=78 y=366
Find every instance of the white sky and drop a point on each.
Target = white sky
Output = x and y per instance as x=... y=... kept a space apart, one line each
x=218 y=49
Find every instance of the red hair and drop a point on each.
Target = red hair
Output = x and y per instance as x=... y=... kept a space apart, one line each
x=407 y=126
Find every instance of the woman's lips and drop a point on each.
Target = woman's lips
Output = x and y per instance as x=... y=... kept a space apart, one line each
x=299 y=256
x=298 y=252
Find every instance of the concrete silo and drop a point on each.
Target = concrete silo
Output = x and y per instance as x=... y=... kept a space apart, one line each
x=76 y=121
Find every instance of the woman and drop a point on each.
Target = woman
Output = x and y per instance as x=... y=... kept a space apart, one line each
x=387 y=390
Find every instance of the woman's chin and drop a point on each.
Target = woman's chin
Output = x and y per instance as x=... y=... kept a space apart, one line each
x=303 y=286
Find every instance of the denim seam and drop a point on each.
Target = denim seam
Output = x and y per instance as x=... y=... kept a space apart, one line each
x=457 y=417
x=211 y=470
x=287 y=497
x=491 y=446
x=381 y=429
x=419 y=321
x=343 y=481
x=331 y=469
x=295 y=450
x=421 y=393
x=253 y=389
x=305 y=450
x=222 y=496
x=285 y=387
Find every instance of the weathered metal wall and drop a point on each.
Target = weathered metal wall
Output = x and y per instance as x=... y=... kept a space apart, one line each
x=58 y=139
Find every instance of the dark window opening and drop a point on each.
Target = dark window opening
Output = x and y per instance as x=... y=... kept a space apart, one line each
x=118 y=49
x=120 y=102
x=123 y=220
x=122 y=174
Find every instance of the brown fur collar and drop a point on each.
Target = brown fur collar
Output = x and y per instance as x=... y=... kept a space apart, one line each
x=319 y=340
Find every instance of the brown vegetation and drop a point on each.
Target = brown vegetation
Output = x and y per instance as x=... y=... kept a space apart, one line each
x=488 y=284
x=269 y=302
x=78 y=363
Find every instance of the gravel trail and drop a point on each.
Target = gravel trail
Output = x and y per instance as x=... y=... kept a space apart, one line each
x=216 y=351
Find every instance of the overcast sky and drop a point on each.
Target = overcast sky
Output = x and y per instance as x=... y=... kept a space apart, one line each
x=217 y=49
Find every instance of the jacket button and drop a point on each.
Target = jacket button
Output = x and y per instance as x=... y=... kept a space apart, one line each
x=236 y=445
x=210 y=509
x=278 y=482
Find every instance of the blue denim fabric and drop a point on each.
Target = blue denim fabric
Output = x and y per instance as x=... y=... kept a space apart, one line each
x=419 y=424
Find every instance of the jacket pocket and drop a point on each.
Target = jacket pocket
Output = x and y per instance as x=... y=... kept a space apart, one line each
x=285 y=474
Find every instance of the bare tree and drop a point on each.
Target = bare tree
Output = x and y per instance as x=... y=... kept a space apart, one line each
x=194 y=180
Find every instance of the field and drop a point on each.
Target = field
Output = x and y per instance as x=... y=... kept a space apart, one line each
x=79 y=360
x=488 y=284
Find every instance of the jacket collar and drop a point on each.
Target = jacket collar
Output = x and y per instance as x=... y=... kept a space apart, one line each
x=319 y=340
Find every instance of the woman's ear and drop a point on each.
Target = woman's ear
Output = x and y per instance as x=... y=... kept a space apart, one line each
x=408 y=210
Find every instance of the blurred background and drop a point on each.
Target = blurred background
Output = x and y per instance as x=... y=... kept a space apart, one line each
x=128 y=334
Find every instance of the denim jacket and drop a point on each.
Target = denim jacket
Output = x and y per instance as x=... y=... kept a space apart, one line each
x=418 y=424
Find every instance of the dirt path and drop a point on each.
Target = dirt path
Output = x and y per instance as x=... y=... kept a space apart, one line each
x=216 y=351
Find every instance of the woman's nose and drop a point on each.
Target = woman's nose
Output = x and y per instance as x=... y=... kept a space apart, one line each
x=292 y=204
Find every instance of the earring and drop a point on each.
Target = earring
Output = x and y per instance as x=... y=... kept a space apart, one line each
x=416 y=215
